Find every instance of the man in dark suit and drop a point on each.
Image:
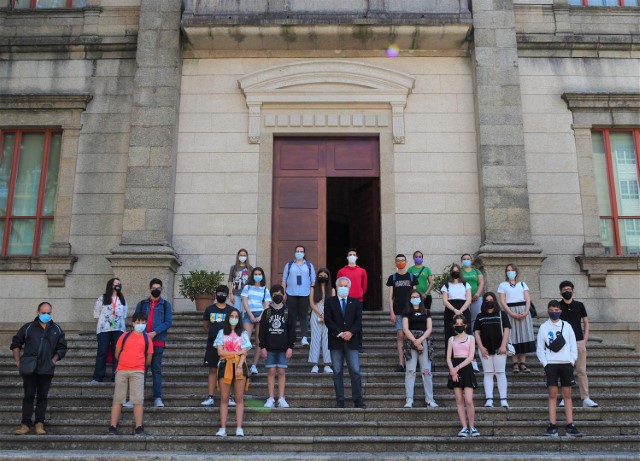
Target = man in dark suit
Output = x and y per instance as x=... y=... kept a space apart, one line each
x=343 y=318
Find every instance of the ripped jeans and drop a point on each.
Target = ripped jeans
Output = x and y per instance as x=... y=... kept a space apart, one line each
x=425 y=369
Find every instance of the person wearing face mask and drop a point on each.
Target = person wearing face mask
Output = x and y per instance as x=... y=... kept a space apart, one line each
x=516 y=302
x=238 y=277
x=417 y=327
x=456 y=297
x=575 y=313
x=400 y=285
x=255 y=299
x=320 y=292
x=343 y=317
x=461 y=377
x=212 y=322
x=356 y=274
x=557 y=351
x=110 y=311
x=134 y=352
x=276 y=338
x=298 y=276
x=492 y=335
x=43 y=344
x=424 y=278
x=159 y=313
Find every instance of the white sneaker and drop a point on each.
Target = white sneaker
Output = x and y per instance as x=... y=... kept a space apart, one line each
x=232 y=402
x=314 y=369
x=304 y=341
x=222 y=432
x=270 y=403
x=158 y=403
x=409 y=403
x=474 y=365
x=127 y=404
x=504 y=403
x=589 y=403
x=561 y=404
x=239 y=432
x=489 y=403
x=328 y=369
x=208 y=402
x=254 y=370
x=282 y=403
x=432 y=404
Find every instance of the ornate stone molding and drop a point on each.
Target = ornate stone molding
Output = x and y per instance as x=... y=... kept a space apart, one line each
x=56 y=267
x=44 y=101
x=310 y=84
x=597 y=267
x=602 y=101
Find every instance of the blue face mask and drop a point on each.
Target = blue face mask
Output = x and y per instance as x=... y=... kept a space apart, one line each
x=555 y=315
x=299 y=255
x=140 y=327
x=44 y=318
x=466 y=263
x=257 y=278
x=511 y=275
x=343 y=292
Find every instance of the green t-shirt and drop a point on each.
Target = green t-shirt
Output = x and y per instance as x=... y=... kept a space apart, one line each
x=423 y=280
x=471 y=278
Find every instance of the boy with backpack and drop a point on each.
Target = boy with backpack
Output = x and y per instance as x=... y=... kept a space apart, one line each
x=134 y=351
x=277 y=337
x=557 y=351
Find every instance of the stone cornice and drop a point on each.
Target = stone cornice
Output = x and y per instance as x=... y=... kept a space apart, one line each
x=55 y=267
x=602 y=101
x=44 y=101
x=597 y=267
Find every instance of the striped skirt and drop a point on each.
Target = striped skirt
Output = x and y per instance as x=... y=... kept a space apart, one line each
x=521 y=334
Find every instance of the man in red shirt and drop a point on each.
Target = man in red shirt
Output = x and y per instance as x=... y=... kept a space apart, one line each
x=356 y=274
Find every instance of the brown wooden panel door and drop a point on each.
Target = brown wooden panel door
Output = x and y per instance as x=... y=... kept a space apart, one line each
x=353 y=157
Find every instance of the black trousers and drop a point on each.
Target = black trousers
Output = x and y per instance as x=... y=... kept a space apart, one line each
x=299 y=307
x=35 y=385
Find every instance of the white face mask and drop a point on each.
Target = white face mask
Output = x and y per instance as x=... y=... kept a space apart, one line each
x=343 y=292
x=352 y=259
x=242 y=259
x=140 y=327
x=233 y=321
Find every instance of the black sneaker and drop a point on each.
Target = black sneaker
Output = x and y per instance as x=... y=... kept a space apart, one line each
x=113 y=430
x=140 y=431
x=359 y=404
x=340 y=404
x=552 y=430
x=400 y=369
x=573 y=431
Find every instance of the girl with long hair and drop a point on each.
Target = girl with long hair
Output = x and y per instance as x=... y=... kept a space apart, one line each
x=319 y=333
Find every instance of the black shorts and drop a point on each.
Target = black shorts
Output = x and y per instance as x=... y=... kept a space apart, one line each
x=211 y=357
x=562 y=371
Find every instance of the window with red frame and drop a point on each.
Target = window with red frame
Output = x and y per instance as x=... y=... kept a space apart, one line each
x=29 y=165
x=43 y=4
x=603 y=2
x=615 y=162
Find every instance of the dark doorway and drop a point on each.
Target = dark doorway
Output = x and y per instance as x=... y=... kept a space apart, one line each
x=353 y=221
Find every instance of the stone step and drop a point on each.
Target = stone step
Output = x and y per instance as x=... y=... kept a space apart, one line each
x=270 y=444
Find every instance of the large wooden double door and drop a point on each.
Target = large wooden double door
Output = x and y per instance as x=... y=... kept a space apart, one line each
x=326 y=196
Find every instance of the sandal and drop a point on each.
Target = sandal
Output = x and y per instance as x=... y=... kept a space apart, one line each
x=523 y=368
x=516 y=369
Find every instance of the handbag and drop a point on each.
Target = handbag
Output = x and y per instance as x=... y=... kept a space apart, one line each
x=28 y=364
x=532 y=310
x=511 y=351
x=557 y=344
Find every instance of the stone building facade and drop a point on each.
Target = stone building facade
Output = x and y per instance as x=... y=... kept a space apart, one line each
x=488 y=119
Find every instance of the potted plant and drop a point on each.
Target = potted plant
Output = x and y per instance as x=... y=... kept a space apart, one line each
x=200 y=286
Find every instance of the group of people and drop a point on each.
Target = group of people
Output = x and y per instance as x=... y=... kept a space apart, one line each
x=246 y=308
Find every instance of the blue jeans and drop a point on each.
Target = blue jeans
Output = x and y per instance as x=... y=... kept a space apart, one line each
x=352 y=357
x=106 y=340
x=156 y=371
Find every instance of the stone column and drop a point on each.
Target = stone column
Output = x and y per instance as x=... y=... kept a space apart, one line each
x=145 y=250
x=506 y=228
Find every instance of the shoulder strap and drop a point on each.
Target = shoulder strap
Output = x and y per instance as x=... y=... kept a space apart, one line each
x=288 y=269
x=394 y=277
x=420 y=273
x=146 y=342
x=522 y=283
x=264 y=294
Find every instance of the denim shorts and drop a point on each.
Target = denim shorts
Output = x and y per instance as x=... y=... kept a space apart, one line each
x=398 y=322
x=276 y=359
x=247 y=319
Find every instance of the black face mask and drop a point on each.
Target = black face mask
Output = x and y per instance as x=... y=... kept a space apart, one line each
x=118 y=288
x=567 y=295
x=277 y=299
x=489 y=305
x=156 y=292
x=221 y=298
x=323 y=279
x=455 y=275
x=459 y=328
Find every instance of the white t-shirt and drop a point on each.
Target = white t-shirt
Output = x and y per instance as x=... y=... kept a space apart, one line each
x=513 y=294
x=456 y=290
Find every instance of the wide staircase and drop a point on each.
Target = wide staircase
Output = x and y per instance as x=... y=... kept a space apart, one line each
x=78 y=412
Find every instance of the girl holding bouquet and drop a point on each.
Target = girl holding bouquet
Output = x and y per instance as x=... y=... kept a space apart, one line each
x=233 y=344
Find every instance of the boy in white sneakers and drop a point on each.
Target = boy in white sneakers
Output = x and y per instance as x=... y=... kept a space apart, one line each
x=557 y=351
x=277 y=335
